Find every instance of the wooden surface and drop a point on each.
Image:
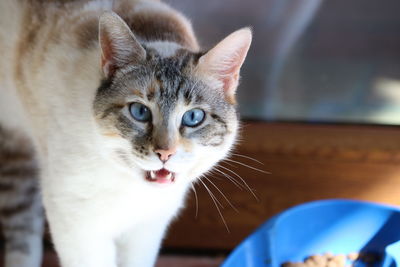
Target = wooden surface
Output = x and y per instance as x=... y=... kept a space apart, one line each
x=306 y=162
x=50 y=260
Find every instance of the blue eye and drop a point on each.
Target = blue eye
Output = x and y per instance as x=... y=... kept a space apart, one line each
x=193 y=117
x=140 y=112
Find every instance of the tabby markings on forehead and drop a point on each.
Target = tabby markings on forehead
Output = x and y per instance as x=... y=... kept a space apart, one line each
x=137 y=93
x=150 y=96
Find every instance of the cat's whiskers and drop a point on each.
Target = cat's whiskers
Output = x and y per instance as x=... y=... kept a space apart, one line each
x=216 y=203
x=241 y=179
x=247 y=157
x=213 y=196
x=230 y=178
x=197 y=200
x=223 y=195
x=230 y=164
x=246 y=165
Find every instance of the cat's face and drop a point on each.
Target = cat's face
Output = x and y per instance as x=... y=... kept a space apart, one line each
x=169 y=116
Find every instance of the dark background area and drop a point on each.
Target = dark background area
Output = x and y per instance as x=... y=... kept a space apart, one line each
x=311 y=60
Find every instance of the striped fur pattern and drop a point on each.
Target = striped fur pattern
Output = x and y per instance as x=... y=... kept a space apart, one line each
x=21 y=214
x=110 y=183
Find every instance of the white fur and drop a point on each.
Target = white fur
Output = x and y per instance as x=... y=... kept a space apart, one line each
x=11 y=114
x=164 y=48
x=98 y=4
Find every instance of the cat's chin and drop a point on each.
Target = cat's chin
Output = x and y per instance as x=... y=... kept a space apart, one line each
x=162 y=176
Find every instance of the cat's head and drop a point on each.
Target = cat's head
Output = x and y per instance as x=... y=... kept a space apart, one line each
x=169 y=112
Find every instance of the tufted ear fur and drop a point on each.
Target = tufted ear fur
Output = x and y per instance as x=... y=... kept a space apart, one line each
x=223 y=62
x=119 y=46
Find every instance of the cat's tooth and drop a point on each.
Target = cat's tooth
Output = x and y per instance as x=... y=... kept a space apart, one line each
x=169 y=176
x=152 y=175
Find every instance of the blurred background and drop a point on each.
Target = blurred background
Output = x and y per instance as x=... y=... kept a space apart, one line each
x=320 y=101
x=311 y=60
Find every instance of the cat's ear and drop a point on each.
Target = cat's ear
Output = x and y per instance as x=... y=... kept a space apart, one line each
x=223 y=62
x=119 y=46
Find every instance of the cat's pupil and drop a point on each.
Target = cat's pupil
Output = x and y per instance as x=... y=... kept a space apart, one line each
x=193 y=118
x=140 y=112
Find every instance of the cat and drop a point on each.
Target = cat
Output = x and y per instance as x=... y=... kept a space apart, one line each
x=113 y=111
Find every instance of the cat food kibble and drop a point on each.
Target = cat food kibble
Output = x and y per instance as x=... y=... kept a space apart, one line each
x=330 y=260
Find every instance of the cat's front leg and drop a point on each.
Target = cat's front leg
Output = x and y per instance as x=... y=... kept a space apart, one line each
x=139 y=247
x=80 y=249
x=79 y=236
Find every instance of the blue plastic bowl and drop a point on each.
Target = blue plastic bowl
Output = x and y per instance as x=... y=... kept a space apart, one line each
x=336 y=226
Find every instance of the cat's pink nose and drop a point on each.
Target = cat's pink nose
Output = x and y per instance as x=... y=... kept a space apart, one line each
x=165 y=154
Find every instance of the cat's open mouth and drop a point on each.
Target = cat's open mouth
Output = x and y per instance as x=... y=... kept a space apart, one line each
x=162 y=176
